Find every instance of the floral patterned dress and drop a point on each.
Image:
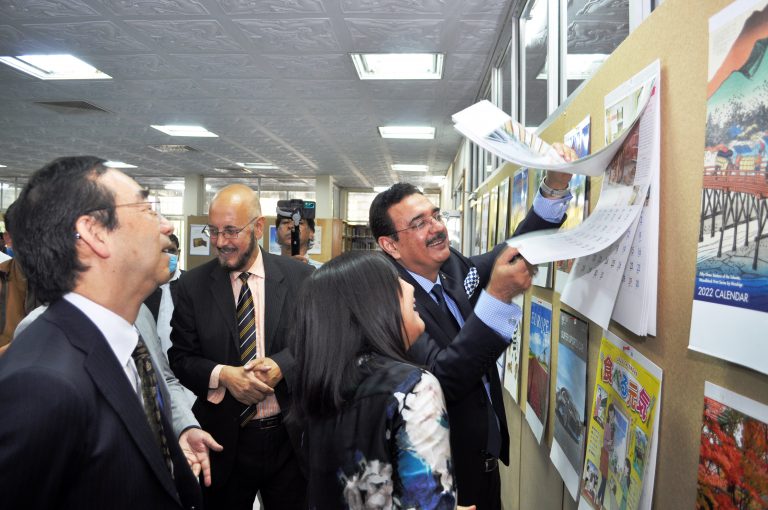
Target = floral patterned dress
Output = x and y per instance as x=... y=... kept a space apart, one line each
x=388 y=447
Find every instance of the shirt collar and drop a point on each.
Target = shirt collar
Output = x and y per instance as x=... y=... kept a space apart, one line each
x=425 y=283
x=256 y=269
x=121 y=336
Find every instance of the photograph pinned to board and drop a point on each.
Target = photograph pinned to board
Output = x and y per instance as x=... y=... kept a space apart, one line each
x=539 y=363
x=567 y=452
x=733 y=456
x=485 y=212
x=477 y=231
x=518 y=202
x=512 y=361
x=544 y=277
x=199 y=243
x=620 y=460
x=730 y=301
x=502 y=227
x=492 y=219
x=578 y=139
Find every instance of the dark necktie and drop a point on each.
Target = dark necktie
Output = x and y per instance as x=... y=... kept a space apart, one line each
x=437 y=291
x=151 y=396
x=246 y=327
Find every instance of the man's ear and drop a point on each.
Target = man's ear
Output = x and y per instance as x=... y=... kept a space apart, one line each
x=258 y=227
x=93 y=234
x=389 y=246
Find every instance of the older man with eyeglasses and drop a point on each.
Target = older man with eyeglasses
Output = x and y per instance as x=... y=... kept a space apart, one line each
x=229 y=348
x=86 y=424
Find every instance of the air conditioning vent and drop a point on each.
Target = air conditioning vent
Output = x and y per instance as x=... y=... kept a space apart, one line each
x=71 y=107
x=173 y=148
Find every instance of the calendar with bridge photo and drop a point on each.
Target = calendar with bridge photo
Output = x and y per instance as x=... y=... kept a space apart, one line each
x=730 y=307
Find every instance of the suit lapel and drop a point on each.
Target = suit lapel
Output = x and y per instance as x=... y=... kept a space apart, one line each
x=221 y=293
x=428 y=308
x=106 y=373
x=454 y=287
x=274 y=297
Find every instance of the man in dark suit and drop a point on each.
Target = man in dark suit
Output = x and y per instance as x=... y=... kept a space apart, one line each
x=229 y=348
x=87 y=425
x=466 y=306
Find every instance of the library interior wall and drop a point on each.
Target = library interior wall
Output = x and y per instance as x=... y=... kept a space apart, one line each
x=677 y=34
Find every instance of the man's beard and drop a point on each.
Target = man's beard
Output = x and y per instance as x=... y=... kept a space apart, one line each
x=243 y=259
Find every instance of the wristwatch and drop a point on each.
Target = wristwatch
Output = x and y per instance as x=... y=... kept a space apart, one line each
x=552 y=192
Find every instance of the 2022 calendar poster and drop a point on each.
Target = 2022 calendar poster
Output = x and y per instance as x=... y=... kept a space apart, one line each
x=730 y=302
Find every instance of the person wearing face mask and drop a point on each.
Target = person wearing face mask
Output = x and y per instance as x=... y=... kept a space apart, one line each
x=376 y=425
x=163 y=299
x=306 y=239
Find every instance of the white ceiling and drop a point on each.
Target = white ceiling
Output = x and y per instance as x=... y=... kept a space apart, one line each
x=273 y=78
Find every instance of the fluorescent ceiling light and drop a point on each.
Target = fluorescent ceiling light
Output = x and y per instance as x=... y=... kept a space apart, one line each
x=410 y=132
x=257 y=166
x=2 y=166
x=437 y=179
x=379 y=189
x=176 y=186
x=176 y=130
x=409 y=168
x=118 y=164
x=578 y=66
x=55 y=67
x=398 y=66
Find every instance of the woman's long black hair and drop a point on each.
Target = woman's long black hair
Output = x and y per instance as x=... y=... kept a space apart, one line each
x=347 y=308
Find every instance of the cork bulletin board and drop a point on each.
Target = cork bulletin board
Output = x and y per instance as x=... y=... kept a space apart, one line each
x=677 y=34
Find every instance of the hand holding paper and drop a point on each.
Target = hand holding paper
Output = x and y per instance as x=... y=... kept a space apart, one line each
x=511 y=276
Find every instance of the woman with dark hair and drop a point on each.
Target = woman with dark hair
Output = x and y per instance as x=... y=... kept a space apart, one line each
x=376 y=425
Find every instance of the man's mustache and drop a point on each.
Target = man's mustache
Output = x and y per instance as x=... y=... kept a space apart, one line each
x=440 y=236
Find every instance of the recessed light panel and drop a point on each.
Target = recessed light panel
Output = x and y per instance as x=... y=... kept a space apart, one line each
x=257 y=166
x=119 y=164
x=179 y=130
x=409 y=168
x=408 y=132
x=398 y=66
x=55 y=67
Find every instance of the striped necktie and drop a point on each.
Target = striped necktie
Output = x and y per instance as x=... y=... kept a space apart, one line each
x=246 y=327
x=152 y=399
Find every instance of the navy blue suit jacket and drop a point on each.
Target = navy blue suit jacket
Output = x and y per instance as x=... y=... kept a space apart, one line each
x=459 y=358
x=74 y=433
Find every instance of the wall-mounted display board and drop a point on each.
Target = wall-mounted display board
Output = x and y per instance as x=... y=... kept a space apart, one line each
x=677 y=34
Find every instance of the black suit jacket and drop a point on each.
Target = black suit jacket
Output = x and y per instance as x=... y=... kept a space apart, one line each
x=205 y=334
x=74 y=433
x=459 y=358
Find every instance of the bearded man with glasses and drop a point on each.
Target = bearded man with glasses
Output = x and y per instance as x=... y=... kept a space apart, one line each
x=466 y=305
x=229 y=348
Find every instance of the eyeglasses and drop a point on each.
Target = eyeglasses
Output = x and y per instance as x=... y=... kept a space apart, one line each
x=420 y=224
x=152 y=205
x=227 y=233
